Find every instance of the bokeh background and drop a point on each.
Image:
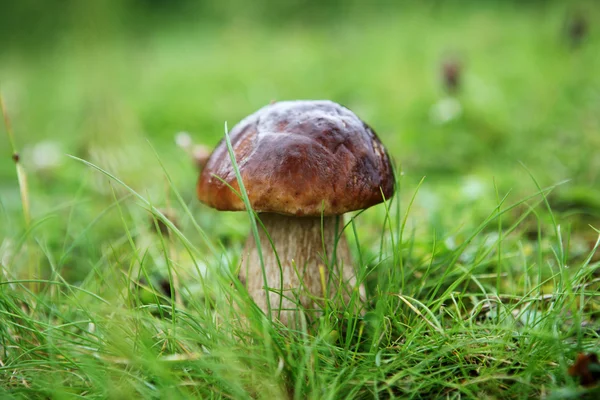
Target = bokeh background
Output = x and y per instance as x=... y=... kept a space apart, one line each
x=472 y=95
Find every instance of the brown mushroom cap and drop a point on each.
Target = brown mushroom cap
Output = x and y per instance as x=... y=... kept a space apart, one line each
x=300 y=158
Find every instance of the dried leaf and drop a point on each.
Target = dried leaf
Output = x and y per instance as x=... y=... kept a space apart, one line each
x=586 y=368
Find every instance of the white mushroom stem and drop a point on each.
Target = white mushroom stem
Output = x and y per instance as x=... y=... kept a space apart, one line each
x=314 y=264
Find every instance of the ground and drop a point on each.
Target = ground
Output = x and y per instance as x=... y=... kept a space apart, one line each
x=480 y=271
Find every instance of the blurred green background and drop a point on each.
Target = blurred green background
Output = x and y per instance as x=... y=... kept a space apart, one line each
x=485 y=99
x=113 y=82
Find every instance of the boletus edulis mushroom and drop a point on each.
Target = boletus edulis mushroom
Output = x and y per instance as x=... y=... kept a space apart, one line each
x=303 y=164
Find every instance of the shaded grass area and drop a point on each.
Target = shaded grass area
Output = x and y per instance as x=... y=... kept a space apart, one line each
x=482 y=279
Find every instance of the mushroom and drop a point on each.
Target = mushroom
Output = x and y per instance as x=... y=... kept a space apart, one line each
x=303 y=164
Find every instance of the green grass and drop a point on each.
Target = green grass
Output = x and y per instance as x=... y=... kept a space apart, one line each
x=482 y=276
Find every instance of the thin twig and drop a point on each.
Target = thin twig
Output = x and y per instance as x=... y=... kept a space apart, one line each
x=23 y=187
x=16 y=158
